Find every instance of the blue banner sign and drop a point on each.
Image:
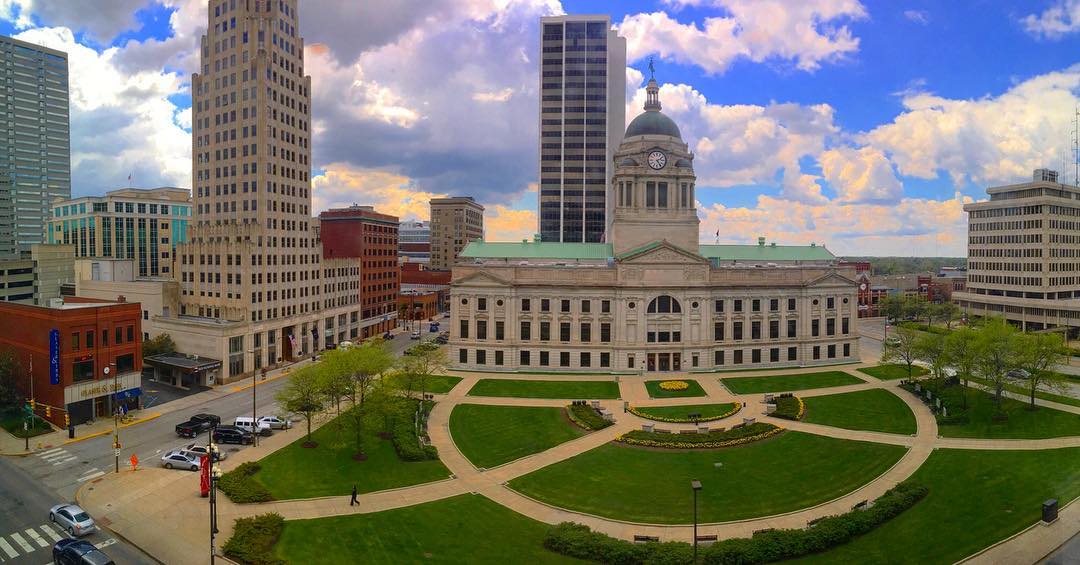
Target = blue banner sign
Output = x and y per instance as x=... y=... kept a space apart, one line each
x=54 y=356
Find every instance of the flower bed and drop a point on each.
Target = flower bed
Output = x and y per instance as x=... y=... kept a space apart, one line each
x=674 y=385
x=585 y=417
x=644 y=413
x=789 y=408
x=712 y=440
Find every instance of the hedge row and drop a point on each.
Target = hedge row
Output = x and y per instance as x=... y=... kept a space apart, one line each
x=735 y=436
x=789 y=408
x=644 y=413
x=253 y=539
x=585 y=417
x=406 y=443
x=240 y=487
x=768 y=546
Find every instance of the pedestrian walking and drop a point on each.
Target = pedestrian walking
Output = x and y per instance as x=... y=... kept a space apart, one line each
x=353 y=499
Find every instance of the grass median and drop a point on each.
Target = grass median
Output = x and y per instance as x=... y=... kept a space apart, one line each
x=526 y=388
x=783 y=383
x=492 y=435
x=872 y=410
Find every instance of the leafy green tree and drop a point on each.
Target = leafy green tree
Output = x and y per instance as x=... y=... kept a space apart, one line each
x=930 y=348
x=302 y=395
x=1039 y=353
x=9 y=389
x=997 y=351
x=948 y=312
x=905 y=350
x=358 y=368
x=893 y=306
x=414 y=370
x=160 y=345
x=960 y=352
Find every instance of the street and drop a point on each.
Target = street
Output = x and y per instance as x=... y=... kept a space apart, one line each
x=30 y=485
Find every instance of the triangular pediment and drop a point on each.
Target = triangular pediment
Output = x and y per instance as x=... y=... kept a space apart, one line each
x=832 y=279
x=661 y=252
x=481 y=278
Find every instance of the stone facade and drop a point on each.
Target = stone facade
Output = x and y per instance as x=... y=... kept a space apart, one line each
x=454 y=223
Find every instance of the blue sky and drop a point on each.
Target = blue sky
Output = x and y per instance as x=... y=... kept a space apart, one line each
x=865 y=125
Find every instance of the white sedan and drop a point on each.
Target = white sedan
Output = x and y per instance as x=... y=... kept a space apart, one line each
x=275 y=422
x=74 y=520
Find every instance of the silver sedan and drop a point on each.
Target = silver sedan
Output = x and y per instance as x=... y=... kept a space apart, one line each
x=72 y=519
x=179 y=460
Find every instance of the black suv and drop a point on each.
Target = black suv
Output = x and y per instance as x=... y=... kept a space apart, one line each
x=232 y=434
x=197 y=424
x=78 y=552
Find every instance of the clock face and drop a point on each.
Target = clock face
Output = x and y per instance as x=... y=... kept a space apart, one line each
x=657 y=160
x=862 y=286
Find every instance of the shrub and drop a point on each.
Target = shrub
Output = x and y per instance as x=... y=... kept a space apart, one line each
x=585 y=417
x=644 y=413
x=735 y=436
x=406 y=442
x=253 y=539
x=789 y=408
x=240 y=487
x=576 y=540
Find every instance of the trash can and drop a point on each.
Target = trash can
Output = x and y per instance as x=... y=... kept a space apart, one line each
x=1050 y=510
x=71 y=431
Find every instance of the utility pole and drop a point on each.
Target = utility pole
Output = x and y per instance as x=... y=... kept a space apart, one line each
x=213 y=491
x=116 y=413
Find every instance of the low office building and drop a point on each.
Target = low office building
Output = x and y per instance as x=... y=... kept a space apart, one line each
x=1023 y=252
x=77 y=357
x=144 y=225
x=455 y=221
x=414 y=242
x=651 y=298
x=37 y=278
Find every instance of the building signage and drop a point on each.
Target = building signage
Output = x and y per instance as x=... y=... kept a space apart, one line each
x=103 y=387
x=54 y=356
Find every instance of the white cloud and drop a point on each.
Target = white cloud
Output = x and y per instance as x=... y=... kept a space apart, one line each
x=1061 y=18
x=391 y=193
x=805 y=34
x=993 y=139
x=860 y=175
x=102 y=21
x=497 y=96
x=921 y=17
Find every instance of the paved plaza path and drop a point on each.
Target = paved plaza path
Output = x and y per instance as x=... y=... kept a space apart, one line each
x=135 y=504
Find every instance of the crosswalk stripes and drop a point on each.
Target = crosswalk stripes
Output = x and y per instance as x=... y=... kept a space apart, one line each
x=57 y=456
x=30 y=540
x=50 y=533
x=25 y=545
x=32 y=533
x=10 y=551
x=91 y=473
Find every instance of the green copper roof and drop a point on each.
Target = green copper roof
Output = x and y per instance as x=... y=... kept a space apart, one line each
x=767 y=252
x=601 y=251
x=533 y=250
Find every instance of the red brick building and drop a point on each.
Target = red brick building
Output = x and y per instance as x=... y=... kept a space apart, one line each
x=418 y=278
x=371 y=237
x=99 y=352
x=422 y=306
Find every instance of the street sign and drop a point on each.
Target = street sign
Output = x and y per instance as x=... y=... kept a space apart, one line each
x=118 y=453
x=54 y=356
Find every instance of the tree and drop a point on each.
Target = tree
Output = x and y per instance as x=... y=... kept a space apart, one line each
x=415 y=370
x=948 y=312
x=930 y=348
x=334 y=385
x=9 y=388
x=960 y=352
x=358 y=368
x=160 y=345
x=905 y=350
x=1038 y=355
x=892 y=306
x=997 y=351
x=302 y=395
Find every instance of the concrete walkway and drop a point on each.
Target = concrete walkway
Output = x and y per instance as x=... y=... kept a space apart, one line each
x=135 y=504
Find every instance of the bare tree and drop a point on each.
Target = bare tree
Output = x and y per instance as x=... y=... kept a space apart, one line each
x=905 y=350
x=416 y=369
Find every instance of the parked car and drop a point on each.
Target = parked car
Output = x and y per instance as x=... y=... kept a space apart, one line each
x=892 y=341
x=276 y=422
x=70 y=551
x=388 y=335
x=1019 y=374
x=196 y=425
x=180 y=460
x=248 y=424
x=415 y=335
x=74 y=520
x=232 y=434
x=197 y=451
x=441 y=340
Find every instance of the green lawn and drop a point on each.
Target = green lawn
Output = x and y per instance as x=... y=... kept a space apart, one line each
x=875 y=410
x=435 y=384
x=492 y=435
x=1041 y=394
x=693 y=389
x=680 y=412
x=976 y=499
x=463 y=529
x=527 y=388
x=1021 y=423
x=329 y=469
x=791 y=471
x=892 y=371
x=784 y=383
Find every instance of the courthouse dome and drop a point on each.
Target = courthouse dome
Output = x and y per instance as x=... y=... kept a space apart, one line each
x=653 y=121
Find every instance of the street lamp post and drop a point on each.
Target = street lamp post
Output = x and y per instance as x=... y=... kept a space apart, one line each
x=116 y=412
x=254 y=424
x=696 y=486
x=215 y=472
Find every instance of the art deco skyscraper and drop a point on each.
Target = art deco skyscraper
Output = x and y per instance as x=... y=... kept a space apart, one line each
x=582 y=117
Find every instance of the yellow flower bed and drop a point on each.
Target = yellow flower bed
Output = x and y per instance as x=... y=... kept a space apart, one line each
x=633 y=410
x=802 y=408
x=674 y=385
x=675 y=444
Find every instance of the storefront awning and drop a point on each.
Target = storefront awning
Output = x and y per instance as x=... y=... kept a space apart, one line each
x=129 y=393
x=185 y=363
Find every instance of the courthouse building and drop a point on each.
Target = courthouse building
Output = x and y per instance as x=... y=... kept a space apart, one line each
x=650 y=298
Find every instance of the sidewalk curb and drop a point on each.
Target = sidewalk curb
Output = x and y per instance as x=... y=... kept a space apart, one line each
x=153 y=416
x=266 y=380
x=79 y=501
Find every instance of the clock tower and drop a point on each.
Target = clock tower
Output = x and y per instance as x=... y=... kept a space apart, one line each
x=653 y=183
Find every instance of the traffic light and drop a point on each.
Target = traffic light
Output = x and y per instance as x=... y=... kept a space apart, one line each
x=48 y=411
x=67 y=421
x=33 y=405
